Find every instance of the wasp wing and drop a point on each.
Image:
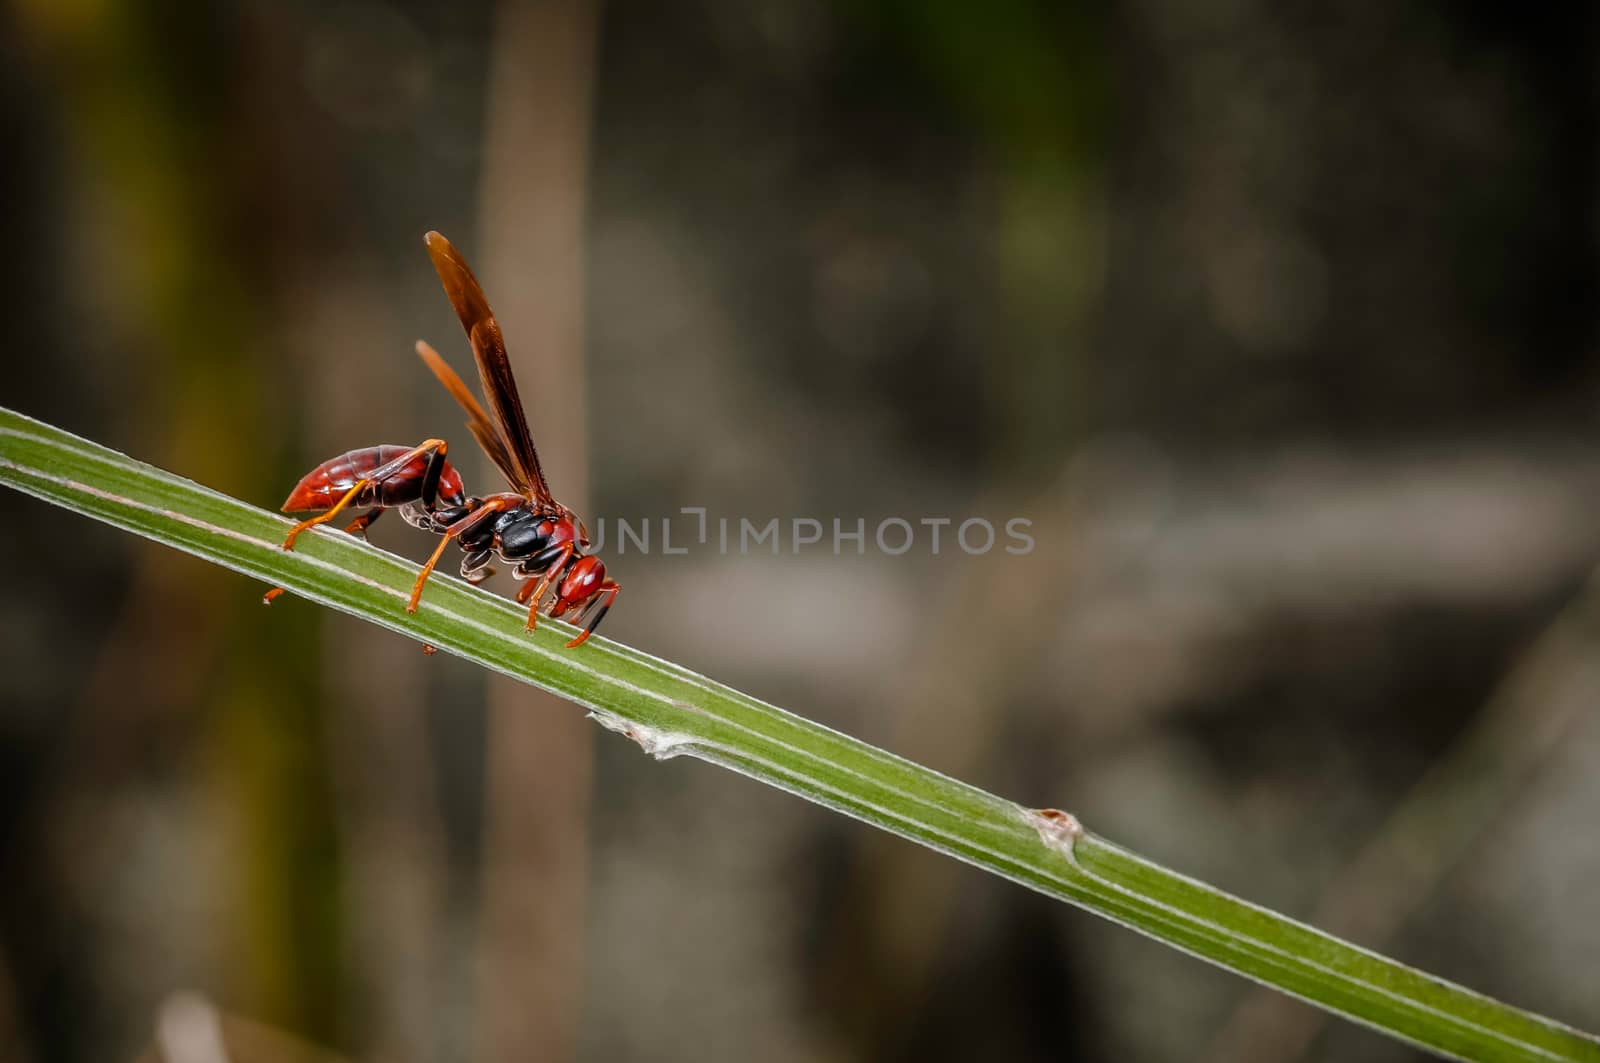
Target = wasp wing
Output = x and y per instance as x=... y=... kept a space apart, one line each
x=494 y=370
x=483 y=429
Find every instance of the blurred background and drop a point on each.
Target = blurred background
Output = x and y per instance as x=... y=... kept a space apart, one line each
x=1278 y=322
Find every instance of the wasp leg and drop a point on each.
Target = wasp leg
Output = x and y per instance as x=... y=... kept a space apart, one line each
x=466 y=524
x=359 y=526
x=475 y=568
x=607 y=590
x=550 y=573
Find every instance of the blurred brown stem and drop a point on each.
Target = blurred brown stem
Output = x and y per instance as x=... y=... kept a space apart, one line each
x=539 y=764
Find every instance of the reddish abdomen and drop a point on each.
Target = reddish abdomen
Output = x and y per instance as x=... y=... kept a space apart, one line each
x=322 y=487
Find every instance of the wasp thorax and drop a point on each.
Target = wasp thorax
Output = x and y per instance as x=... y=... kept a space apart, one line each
x=524 y=532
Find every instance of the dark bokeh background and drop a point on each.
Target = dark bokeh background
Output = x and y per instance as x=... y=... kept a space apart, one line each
x=1279 y=323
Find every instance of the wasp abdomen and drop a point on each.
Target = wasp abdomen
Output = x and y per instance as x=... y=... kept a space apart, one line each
x=325 y=485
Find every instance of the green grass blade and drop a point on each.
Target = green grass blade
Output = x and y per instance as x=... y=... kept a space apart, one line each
x=671 y=711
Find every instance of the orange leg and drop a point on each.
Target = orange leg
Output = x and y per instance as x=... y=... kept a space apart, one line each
x=359 y=526
x=378 y=475
x=544 y=582
x=609 y=590
x=489 y=508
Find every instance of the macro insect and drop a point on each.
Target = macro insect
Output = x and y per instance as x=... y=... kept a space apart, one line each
x=525 y=527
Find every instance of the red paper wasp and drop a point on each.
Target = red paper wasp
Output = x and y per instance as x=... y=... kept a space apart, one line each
x=528 y=528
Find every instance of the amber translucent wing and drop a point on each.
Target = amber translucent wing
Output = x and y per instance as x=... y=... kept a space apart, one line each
x=482 y=429
x=494 y=368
